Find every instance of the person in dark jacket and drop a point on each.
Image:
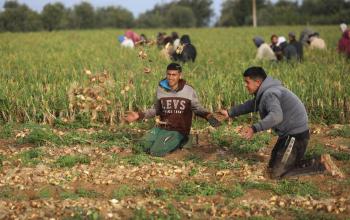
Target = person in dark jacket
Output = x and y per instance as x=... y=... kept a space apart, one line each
x=276 y=48
x=186 y=51
x=161 y=42
x=305 y=35
x=289 y=52
x=280 y=110
x=298 y=46
x=175 y=103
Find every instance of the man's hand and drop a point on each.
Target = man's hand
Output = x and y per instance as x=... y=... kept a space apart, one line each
x=247 y=133
x=222 y=114
x=132 y=116
x=213 y=121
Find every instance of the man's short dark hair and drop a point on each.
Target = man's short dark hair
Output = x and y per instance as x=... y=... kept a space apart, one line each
x=274 y=35
x=174 y=66
x=255 y=73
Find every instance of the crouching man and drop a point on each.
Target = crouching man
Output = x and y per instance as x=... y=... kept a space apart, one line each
x=175 y=103
x=281 y=110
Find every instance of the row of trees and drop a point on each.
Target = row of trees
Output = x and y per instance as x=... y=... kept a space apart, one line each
x=182 y=13
x=19 y=17
x=178 y=13
x=285 y=12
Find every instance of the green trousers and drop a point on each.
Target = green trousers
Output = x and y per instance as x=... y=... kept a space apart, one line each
x=159 y=142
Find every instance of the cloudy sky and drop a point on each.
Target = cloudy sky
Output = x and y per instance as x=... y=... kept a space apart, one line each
x=135 y=6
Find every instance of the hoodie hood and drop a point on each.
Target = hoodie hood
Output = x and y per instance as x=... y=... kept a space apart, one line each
x=258 y=41
x=185 y=39
x=165 y=84
x=266 y=84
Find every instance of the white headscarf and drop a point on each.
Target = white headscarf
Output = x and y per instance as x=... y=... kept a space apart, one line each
x=280 y=40
x=343 y=27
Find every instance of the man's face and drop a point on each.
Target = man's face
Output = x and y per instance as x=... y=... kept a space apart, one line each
x=252 y=85
x=291 y=38
x=274 y=40
x=173 y=77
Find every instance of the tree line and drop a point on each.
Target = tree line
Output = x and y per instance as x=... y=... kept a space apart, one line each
x=285 y=12
x=16 y=17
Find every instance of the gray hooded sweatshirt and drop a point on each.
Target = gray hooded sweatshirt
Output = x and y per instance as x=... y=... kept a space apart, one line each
x=279 y=109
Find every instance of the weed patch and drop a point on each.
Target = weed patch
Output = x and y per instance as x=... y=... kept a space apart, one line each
x=71 y=160
x=341 y=132
x=320 y=149
x=301 y=214
x=39 y=135
x=81 y=192
x=190 y=188
x=31 y=157
x=6 y=131
x=257 y=185
x=1 y=160
x=169 y=213
x=298 y=188
x=44 y=193
x=81 y=214
x=137 y=159
x=123 y=191
x=230 y=139
x=5 y=192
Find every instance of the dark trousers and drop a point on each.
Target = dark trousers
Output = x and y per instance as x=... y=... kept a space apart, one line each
x=287 y=158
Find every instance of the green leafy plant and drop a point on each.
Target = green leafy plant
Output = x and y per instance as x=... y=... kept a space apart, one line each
x=229 y=138
x=301 y=214
x=45 y=193
x=298 y=188
x=6 y=130
x=31 y=156
x=137 y=159
x=123 y=191
x=72 y=160
x=319 y=149
x=6 y=192
x=39 y=135
x=190 y=188
x=257 y=185
x=1 y=160
x=81 y=214
x=344 y=131
x=81 y=192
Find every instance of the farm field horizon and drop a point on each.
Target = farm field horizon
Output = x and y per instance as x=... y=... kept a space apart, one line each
x=38 y=69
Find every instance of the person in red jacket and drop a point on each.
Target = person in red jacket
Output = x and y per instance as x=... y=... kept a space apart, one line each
x=132 y=35
x=344 y=44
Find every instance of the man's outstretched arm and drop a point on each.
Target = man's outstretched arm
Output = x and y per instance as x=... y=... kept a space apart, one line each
x=149 y=113
x=199 y=110
x=245 y=108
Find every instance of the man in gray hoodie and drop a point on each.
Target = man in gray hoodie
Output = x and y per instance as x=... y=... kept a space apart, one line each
x=281 y=110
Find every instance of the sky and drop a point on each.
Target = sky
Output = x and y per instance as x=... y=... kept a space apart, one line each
x=135 y=6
